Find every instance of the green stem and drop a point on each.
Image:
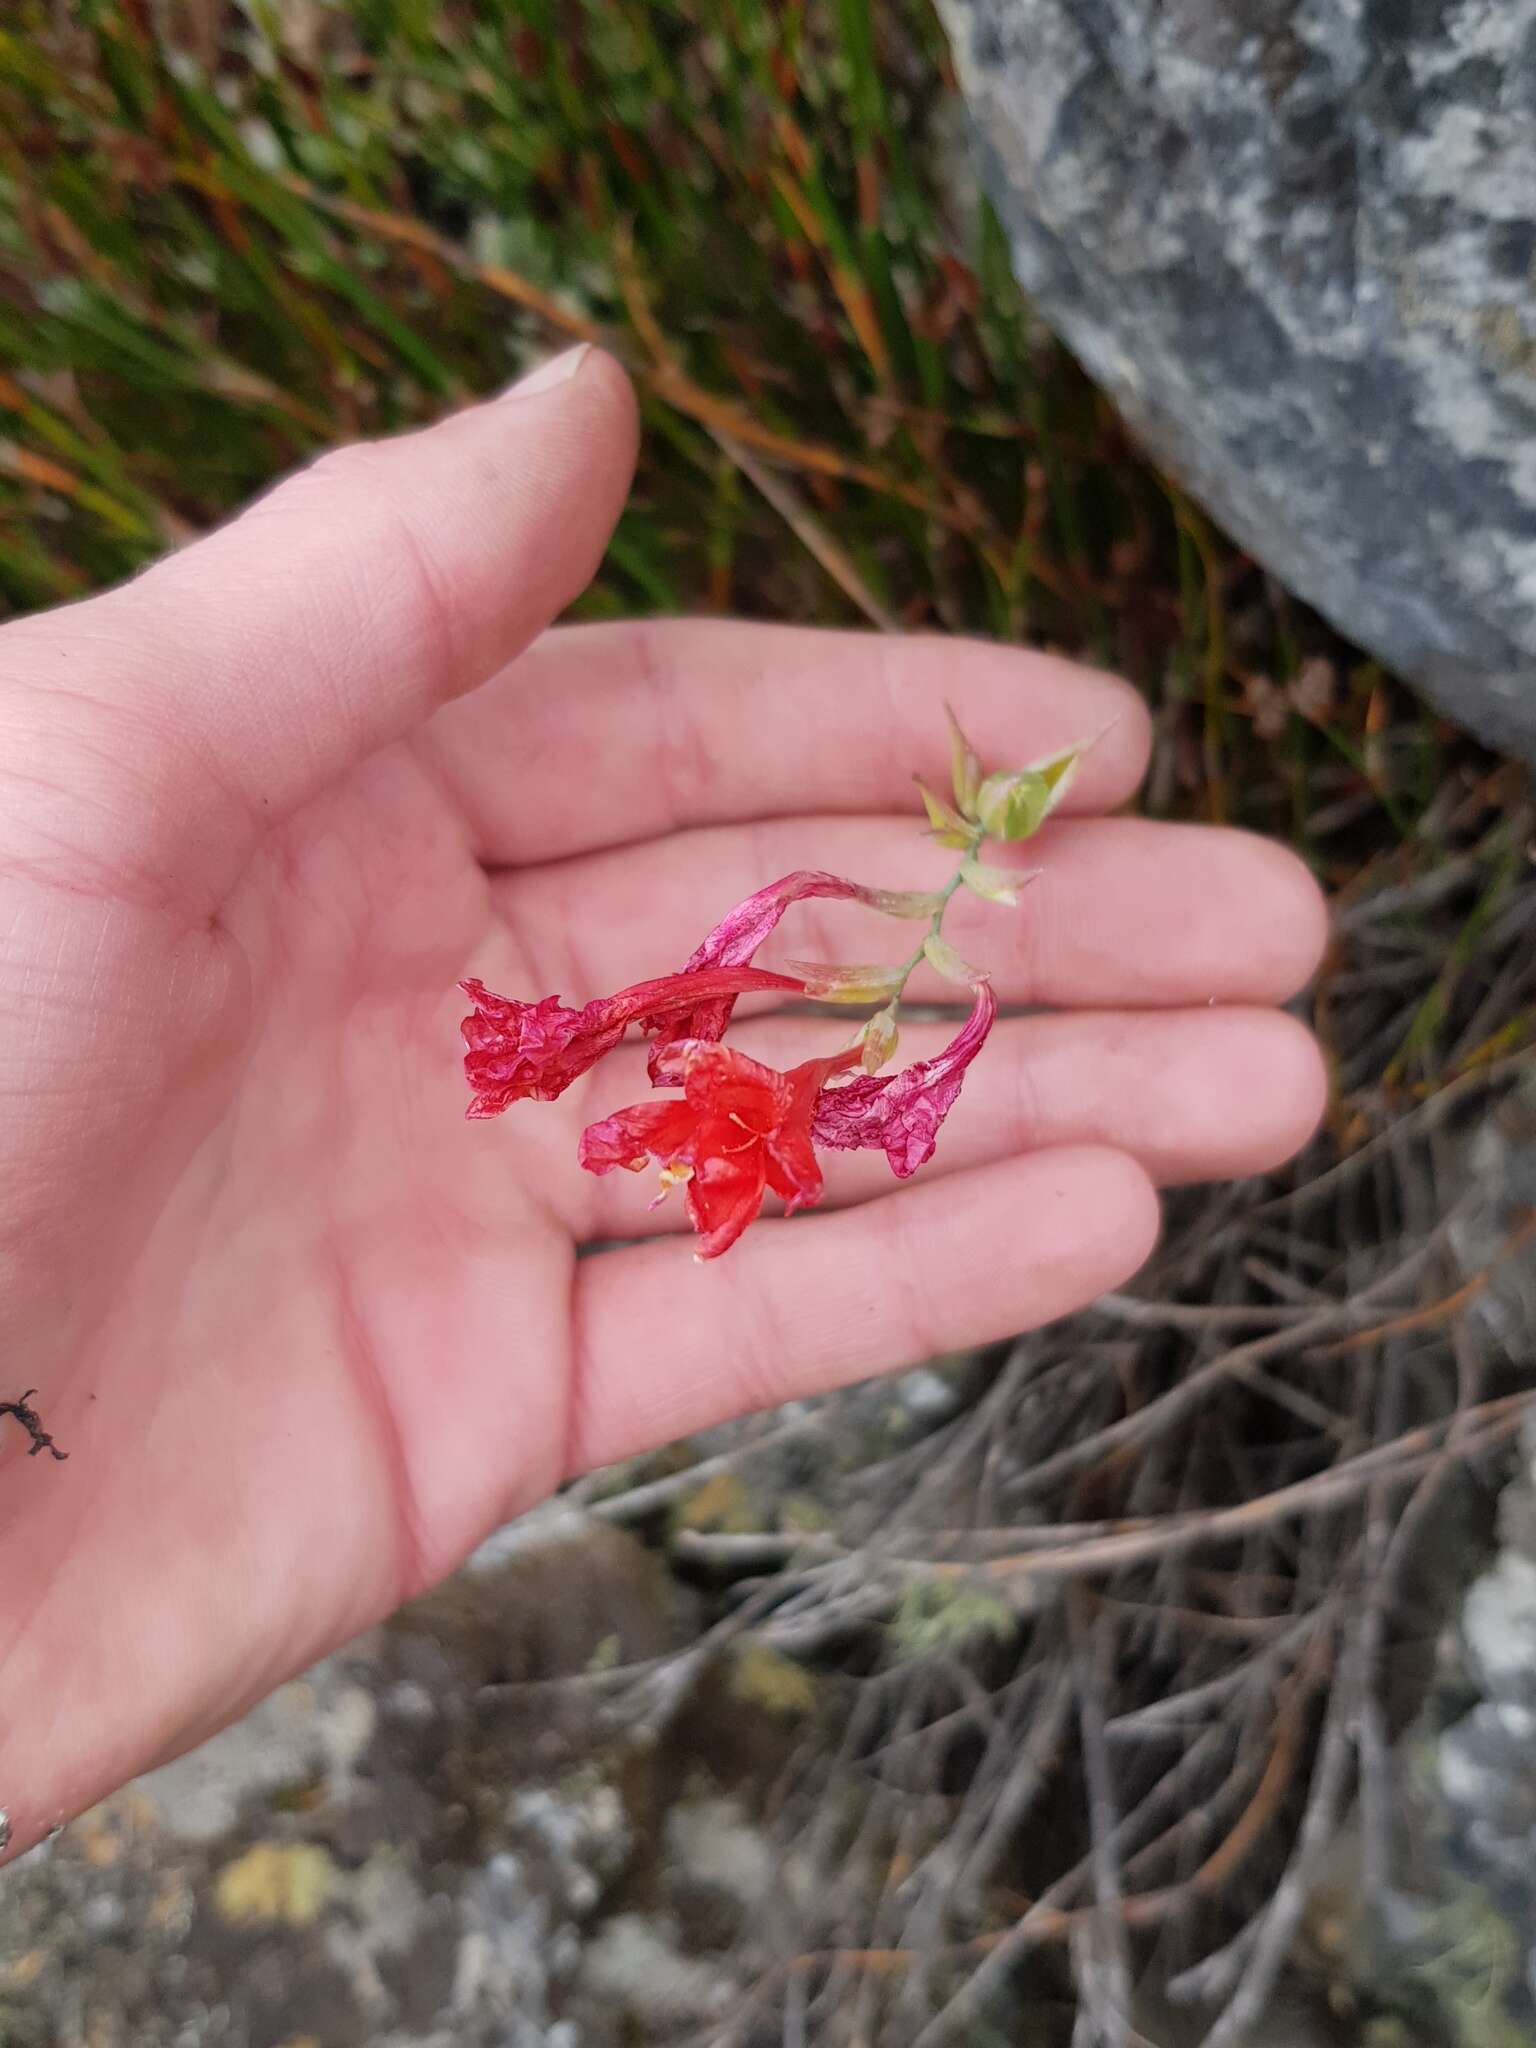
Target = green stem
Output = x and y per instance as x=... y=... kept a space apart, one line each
x=936 y=922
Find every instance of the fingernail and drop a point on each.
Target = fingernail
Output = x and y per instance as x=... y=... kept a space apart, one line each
x=558 y=370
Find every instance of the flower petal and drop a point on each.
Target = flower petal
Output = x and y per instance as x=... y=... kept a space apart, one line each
x=646 y=1130
x=900 y=1113
x=732 y=943
x=722 y=1082
x=792 y=1168
x=516 y=1050
x=740 y=1128
x=741 y=931
x=724 y=1196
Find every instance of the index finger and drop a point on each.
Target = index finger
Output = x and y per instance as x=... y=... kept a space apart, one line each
x=166 y=724
x=602 y=735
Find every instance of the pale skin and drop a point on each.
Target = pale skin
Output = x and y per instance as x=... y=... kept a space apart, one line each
x=307 y=1334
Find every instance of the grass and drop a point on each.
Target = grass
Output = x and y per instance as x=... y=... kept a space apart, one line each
x=235 y=231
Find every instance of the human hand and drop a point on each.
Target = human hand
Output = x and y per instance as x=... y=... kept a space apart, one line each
x=306 y=1333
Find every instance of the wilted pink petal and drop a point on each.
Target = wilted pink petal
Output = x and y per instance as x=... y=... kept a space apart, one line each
x=736 y=938
x=900 y=1113
x=741 y=931
x=517 y=1050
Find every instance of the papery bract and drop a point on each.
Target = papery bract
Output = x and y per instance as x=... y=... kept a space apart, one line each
x=996 y=885
x=964 y=767
x=871 y=983
x=739 y=1129
x=943 y=959
x=518 y=1050
x=900 y=1113
x=946 y=827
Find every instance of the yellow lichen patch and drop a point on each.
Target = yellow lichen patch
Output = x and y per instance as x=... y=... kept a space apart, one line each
x=724 y=1503
x=108 y=1830
x=936 y=1617
x=802 y=1514
x=291 y=1882
x=607 y=1654
x=25 y=1970
x=761 y=1677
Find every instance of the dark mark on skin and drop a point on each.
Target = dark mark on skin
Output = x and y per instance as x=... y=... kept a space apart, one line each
x=31 y=1422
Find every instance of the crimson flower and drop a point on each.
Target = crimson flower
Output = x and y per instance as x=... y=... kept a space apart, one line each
x=517 y=1050
x=900 y=1113
x=738 y=1130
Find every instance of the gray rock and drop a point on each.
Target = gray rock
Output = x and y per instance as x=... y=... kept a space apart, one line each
x=316 y=1725
x=635 y=1965
x=1296 y=241
x=1499 y=1622
x=1484 y=1763
x=712 y=1841
x=1486 y=1760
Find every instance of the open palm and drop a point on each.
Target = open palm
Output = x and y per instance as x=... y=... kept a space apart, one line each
x=306 y=1333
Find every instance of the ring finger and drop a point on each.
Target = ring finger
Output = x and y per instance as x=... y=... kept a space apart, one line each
x=1192 y=1095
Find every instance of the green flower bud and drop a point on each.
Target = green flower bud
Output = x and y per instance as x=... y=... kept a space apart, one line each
x=1016 y=806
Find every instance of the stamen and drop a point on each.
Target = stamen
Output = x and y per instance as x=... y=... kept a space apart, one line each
x=675 y=1174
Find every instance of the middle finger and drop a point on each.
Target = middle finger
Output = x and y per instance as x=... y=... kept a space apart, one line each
x=1126 y=912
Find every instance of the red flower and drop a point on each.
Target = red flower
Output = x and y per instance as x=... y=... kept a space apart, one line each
x=739 y=1129
x=900 y=1113
x=538 y=1049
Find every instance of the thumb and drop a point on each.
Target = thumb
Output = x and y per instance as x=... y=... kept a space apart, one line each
x=179 y=716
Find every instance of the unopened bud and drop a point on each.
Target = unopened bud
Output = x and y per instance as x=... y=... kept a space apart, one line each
x=1016 y=806
x=877 y=1040
x=1013 y=806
